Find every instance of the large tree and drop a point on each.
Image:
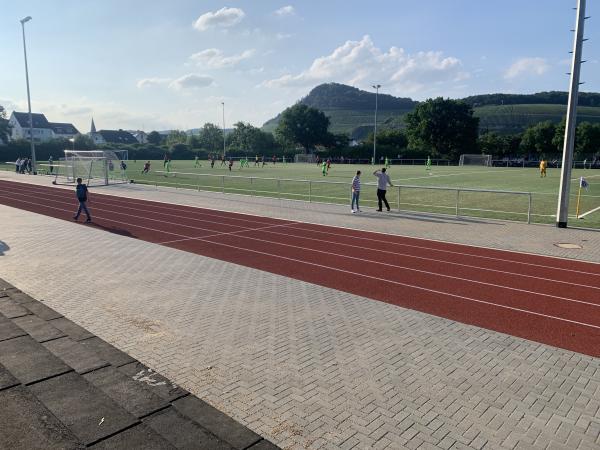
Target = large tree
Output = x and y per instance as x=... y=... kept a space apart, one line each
x=176 y=137
x=4 y=126
x=248 y=138
x=83 y=142
x=304 y=126
x=154 y=137
x=445 y=127
x=492 y=144
x=587 y=139
x=540 y=140
x=211 y=138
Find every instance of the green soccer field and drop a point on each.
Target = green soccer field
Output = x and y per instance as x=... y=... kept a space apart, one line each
x=291 y=181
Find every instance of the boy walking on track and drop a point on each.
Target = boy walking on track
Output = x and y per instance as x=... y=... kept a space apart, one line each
x=383 y=180
x=82 y=192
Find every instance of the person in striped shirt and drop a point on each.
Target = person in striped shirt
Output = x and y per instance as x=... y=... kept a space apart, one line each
x=355 y=192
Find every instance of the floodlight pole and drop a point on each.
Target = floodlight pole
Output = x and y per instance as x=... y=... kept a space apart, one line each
x=33 y=161
x=223 y=103
x=376 y=86
x=562 y=213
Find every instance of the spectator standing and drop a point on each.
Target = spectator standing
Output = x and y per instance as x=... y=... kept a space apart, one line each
x=355 y=192
x=51 y=164
x=383 y=180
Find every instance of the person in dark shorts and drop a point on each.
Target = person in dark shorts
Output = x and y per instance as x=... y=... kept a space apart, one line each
x=383 y=180
x=82 y=193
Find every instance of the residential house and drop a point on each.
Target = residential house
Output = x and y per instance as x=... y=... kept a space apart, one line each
x=111 y=136
x=43 y=130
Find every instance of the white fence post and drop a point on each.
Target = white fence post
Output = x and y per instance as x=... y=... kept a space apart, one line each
x=457 y=200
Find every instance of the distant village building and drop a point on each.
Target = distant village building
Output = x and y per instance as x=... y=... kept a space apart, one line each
x=111 y=136
x=140 y=136
x=43 y=130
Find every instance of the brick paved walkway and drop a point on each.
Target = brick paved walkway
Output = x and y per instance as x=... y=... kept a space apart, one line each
x=306 y=366
x=61 y=387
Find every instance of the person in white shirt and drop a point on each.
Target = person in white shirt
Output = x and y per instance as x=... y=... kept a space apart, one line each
x=355 y=192
x=383 y=180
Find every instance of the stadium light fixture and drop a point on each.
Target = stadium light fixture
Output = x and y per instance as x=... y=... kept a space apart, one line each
x=33 y=161
x=376 y=87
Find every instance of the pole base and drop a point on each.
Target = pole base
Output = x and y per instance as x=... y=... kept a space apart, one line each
x=561 y=224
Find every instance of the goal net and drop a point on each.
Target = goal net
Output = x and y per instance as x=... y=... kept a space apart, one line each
x=94 y=167
x=303 y=158
x=475 y=160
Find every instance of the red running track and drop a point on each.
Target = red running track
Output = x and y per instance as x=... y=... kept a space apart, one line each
x=550 y=300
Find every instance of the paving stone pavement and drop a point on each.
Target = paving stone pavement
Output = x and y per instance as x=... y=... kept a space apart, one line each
x=303 y=365
x=70 y=390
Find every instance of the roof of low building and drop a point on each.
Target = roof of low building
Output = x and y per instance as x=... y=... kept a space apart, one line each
x=118 y=136
x=63 y=128
x=39 y=120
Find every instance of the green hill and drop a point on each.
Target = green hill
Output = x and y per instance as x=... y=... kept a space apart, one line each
x=351 y=110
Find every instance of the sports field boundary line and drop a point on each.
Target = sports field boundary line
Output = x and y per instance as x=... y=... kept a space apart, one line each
x=581 y=216
x=559 y=258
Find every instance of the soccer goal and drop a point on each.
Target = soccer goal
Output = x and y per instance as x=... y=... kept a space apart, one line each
x=475 y=160
x=305 y=158
x=95 y=167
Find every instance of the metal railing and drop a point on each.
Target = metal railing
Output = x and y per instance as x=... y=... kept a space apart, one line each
x=455 y=201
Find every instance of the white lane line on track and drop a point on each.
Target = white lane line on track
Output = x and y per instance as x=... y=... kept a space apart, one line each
x=355 y=274
x=124 y=204
x=248 y=229
x=224 y=233
x=379 y=233
x=204 y=239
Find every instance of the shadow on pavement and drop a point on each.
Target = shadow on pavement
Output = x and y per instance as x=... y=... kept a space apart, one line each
x=114 y=230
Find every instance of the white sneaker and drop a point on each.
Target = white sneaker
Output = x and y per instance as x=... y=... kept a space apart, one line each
x=353 y=211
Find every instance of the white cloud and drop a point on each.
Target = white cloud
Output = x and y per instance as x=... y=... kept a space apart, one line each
x=282 y=36
x=527 y=67
x=362 y=63
x=285 y=11
x=224 y=17
x=215 y=59
x=191 y=81
x=152 y=82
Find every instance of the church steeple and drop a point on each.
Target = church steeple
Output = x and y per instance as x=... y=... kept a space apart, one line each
x=93 y=130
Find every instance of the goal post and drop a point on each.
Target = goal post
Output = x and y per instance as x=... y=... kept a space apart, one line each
x=305 y=158
x=475 y=160
x=95 y=167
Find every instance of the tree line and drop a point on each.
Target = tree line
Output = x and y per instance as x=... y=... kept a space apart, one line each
x=439 y=128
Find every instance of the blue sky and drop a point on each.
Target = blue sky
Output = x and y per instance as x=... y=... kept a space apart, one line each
x=161 y=65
